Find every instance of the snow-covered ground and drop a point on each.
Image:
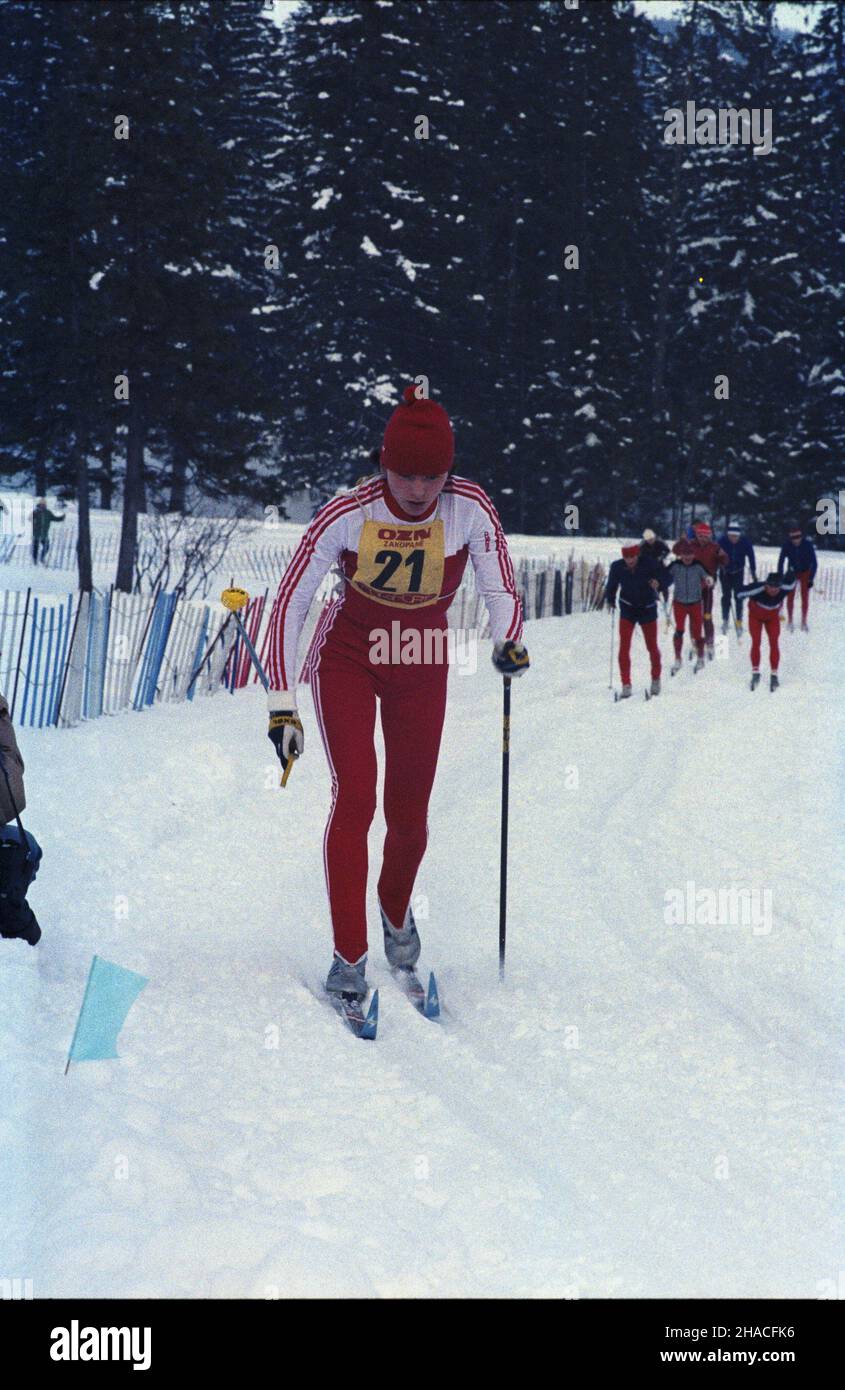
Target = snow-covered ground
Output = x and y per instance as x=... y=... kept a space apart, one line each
x=641 y=1109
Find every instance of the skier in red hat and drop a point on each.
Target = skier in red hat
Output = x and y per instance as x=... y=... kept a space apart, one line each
x=638 y=580
x=712 y=558
x=399 y=542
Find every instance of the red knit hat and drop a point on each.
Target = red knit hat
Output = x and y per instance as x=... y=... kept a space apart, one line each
x=702 y=528
x=418 y=437
x=629 y=551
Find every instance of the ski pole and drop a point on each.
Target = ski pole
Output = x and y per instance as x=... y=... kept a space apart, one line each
x=503 y=863
x=234 y=600
x=612 y=632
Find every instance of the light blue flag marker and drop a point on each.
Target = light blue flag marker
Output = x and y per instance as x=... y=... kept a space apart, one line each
x=109 y=995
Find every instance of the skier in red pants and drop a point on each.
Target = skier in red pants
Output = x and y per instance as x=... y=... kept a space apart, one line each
x=638 y=579
x=712 y=558
x=764 y=605
x=399 y=542
x=690 y=580
x=799 y=555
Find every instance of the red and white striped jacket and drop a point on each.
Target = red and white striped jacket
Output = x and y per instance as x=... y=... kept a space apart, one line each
x=471 y=528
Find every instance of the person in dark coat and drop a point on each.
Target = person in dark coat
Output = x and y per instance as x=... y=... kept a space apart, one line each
x=637 y=579
x=799 y=555
x=738 y=549
x=20 y=852
x=42 y=519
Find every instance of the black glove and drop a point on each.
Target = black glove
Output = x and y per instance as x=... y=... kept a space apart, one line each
x=510 y=658
x=810 y=585
x=286 y=735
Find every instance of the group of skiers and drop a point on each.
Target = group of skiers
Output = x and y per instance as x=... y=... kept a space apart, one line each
x=648 y=570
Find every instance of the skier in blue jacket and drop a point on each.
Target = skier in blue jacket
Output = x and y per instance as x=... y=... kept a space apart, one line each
x=798 y=554
x=738 y=549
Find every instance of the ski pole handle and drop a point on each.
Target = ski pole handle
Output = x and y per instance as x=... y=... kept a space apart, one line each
x=235 y=599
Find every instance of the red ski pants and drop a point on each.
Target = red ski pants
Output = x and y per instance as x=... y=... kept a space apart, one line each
x=345 y=687
x=626 y=632
x=758 y=619
x=707 y=614
x=682 y=611
x=804 y=581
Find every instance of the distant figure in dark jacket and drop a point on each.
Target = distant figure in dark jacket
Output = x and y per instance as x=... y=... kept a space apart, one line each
x=20 y=852
x=799 y=555
x=42 y=520
x=638 y=579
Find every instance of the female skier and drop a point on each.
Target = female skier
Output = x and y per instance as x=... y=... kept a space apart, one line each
x=399 y=541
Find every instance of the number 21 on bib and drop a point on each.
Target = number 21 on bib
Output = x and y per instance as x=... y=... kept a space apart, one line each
x=401 y=566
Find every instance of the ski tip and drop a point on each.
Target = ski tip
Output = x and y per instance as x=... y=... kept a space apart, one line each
x=432 y=999
x=370 y=1027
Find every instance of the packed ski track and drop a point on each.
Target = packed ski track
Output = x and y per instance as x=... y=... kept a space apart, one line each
x=641 y=1109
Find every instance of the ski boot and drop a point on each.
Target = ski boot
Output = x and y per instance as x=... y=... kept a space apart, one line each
x=724 y=629
x=676 y=666
x=655 y=686
x=401 y=945
x=627 y=692
x=711 y=651
x=755 y=679
x=773 y=682
x=790 y=627
x=699 y=664
x=739 y=628
x=804 y=627
x=347 y=982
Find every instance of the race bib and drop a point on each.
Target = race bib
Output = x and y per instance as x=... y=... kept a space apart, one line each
x=400 y=565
